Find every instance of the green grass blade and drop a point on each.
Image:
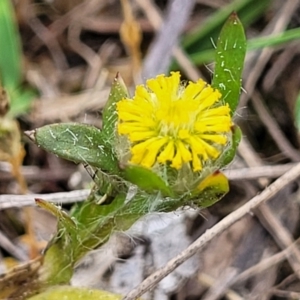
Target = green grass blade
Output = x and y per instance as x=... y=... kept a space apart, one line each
x=273 y=40
x=21 y=99
x=198 y=44
x=10 y=58
x=207 y=56
x=215 y=20
x=200 y=39
x=11 y=61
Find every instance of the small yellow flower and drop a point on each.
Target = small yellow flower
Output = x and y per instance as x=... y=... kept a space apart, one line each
x=169 y=123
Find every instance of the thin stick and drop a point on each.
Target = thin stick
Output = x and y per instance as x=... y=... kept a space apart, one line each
x=220 y=227
x=8 y=201
x=264 y=264
x=155 y=18
x=272 y=126
x=11 y=248
x=277 y=24
x=258 y=172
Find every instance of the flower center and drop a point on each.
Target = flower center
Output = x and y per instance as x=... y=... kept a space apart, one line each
x=176 y=115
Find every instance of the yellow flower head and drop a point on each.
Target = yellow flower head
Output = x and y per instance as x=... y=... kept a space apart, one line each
x=169 y=123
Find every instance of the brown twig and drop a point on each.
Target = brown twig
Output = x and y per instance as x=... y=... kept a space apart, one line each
x=155 y=18
x=220 y=286
x=220 y=227
x=11 y=248
x=281 y=235
x=263 y=265
x=281 y=141
x=258 y=172
x=282 y=61
x=278 y=24
x=285 y=294
x=74 y=15
x=8 y=201
x=251 y=158
x=208 y=281
x=49 y=39
x=80 y=48
x=69 y=106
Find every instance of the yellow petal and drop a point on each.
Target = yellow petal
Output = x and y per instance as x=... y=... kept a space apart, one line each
x=169 y=122
x=151 y=152
x=167 y=154
x=184 y=152
x=196 y=162
x=217 y=138
x=177 y=161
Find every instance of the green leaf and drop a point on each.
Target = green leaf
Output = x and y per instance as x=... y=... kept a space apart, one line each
x=229 y=154
x=198 y=44
x=10 y=58
x=146 y=180
x=230 y=55
x=118 y=92
x=21 y=99
x=206 y=30
x=61 y=215
x=207 y=56
x=11 y=61
x=75 y=293
x=79 y=143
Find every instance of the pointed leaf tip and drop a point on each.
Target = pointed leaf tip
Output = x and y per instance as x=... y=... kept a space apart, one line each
x=119 y=80
x=30 y=134
x=118 y=92
x=57 y=212
x=233 y=15
x=80 y=143
x=38 y=201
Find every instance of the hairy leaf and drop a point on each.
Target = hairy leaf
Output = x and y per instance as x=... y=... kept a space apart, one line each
x=146 y=180
x=80 y=143
x=118 y=92
x=230 y=55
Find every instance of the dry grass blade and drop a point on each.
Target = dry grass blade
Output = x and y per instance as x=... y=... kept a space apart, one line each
x=159 y=56
x=253 y=72
x=220 y=227
x=282 y=142
x=258 y=172
x=11 y=248
x=7 y=201
x=280 y=234
x=264 y=265
x=209 y=281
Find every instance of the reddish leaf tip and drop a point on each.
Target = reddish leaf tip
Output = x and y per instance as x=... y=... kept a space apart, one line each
x=216 y=173
x=234 y=17
x=30 y=134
